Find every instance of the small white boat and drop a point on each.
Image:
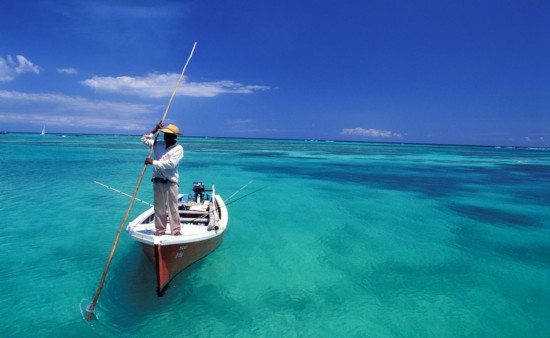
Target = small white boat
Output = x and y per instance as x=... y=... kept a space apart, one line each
x=203 y=219
x=43 y=132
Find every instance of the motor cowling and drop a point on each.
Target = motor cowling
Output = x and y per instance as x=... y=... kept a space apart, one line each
x=198 y=190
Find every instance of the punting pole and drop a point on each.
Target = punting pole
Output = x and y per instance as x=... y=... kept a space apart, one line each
x=90 y=309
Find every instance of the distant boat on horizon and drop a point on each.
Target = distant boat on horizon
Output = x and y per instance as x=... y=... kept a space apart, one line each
x=43 y=132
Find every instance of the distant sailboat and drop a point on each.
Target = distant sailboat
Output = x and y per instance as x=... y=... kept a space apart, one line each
x=43 y=130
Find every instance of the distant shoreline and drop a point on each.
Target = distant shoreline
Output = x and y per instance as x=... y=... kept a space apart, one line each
x=293 y=140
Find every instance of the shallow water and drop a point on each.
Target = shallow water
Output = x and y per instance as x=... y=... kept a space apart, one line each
x=335 y=239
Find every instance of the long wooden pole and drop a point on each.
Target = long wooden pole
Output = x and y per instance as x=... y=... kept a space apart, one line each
x=91 y=308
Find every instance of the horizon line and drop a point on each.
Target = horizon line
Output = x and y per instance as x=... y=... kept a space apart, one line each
x=289 y=139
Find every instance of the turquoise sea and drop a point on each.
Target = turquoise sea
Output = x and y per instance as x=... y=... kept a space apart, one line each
x=331 y=239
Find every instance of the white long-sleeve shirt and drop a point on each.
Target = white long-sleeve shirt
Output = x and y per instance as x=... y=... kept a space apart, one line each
x=166 y=160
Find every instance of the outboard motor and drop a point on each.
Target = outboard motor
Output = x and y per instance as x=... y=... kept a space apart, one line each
x=198 y=189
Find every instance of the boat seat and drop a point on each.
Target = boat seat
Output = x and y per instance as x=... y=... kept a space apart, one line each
x=194 y=220
x=199 y=207
x=193 y=212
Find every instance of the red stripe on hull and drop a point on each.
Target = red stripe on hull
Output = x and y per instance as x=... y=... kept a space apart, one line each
x=171 y=259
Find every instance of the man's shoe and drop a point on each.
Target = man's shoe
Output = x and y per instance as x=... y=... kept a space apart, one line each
x=158 y=233
x=177 y=233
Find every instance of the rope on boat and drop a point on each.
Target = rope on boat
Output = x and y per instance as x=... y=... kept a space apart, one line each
x=100 y=286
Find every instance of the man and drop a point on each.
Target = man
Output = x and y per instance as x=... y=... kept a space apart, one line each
x=167 y=154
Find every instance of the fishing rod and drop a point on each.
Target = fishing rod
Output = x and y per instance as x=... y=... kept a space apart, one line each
x=240 y=198
x=226 y=204
x=122 y=193
x=238 y=191
x=90 y=309
x=200 y=217
x=149 y=204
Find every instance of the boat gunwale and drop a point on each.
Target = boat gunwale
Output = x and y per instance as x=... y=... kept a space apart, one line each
x=151 y=239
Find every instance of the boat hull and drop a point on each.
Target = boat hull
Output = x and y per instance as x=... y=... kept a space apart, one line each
x=169 y=260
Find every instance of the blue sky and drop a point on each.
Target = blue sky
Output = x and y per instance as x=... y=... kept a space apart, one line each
x=452 y=72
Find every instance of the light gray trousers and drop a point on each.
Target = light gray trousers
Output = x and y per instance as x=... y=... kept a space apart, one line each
x=166 y=203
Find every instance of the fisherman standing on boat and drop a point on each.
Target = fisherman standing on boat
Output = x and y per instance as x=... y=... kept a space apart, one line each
x=168 y=154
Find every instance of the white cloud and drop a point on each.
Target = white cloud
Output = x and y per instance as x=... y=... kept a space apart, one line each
x=162 y=85
x=10 y=68
x=68 y=71
x=370 y=132
x=62 y=110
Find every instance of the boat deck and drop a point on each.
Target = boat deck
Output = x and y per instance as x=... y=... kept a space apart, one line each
x=194 y=221
x=186 y=229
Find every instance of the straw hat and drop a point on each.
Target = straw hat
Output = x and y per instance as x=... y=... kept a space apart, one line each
x=171 y=129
